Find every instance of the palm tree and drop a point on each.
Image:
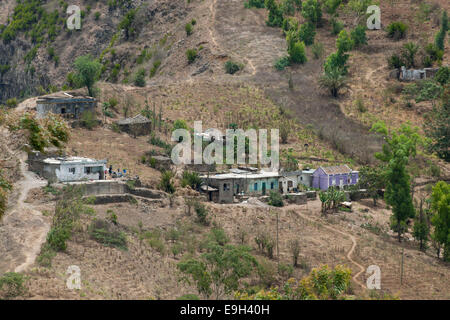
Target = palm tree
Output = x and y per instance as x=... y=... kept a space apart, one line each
x=333 y=80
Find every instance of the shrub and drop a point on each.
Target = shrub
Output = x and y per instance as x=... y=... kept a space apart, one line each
x=190 y=296
x=275 y=18
x=433 y=53
x=408 y=53
x=166 y=183
x=232 y=67
x=395 y=62
x=344 y=42
x=11 y=103
x=275 y=199
x=107 y=234
x=88 y=120
x=317 y=50
x=331 y=6
x=443 y=75
x=191 y=55
x=155 y=67
x=97 y=15
x=336 y=26
x=288 y=8
x=12 y=285
x=188 y=27
x=139 y=79
x=312 y=11
x=202 y=213
x=396 y=30
x=297 y=54
x=254 y=4
x=191 y=179
x=358 y=36
x=307 y=33
x=282 y=63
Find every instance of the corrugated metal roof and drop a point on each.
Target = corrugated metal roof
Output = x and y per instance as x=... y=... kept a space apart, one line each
x=337 y=169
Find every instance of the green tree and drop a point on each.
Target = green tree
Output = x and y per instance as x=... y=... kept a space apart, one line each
x=440 y=206
x=358 y=36
x=312 y=11
x=400 y=145
x=297 y=53
x=275 y=18
x=372 y=179
x=330 y=6
x=307 y=33
x=421 y=230
x=219 y=270
x=440 y=36
x=408 y=52
x=139 y=79
x=437 y=127
x=87 y=72
x=344 y=42
x=127 y=23
x=334 y=80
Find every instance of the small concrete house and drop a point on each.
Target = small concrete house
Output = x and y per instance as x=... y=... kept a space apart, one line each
x=290 y=181
x=338 y=176
x=67 y=169
x=136 y=126
x=69 y=105
x=223 y=187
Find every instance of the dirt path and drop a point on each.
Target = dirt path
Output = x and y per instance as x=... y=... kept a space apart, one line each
x=349 y=253
x=23 y=229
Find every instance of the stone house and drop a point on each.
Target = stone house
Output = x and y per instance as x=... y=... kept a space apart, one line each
x=69 y=105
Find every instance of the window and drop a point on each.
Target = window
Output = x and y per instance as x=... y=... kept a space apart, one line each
x=87 y=170
x=226 y=187
x=255 y=187
x=72 y=170
x=271 y=185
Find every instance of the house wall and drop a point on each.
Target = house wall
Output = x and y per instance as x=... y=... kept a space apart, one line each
x=259 y=185
x=225 y=193
x=60 y=172
x=75 y=109
x=284 y=183
x=138 y=129
x=305 y=179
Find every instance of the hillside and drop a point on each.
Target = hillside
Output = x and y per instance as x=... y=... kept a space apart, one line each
x=133 y=38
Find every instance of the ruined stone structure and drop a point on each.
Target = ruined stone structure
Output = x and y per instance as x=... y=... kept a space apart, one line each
x=69 y=105
x=136 y=126
x=419 y=74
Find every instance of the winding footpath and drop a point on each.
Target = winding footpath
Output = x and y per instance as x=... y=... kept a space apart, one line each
x=349 y=253
x=23 y=229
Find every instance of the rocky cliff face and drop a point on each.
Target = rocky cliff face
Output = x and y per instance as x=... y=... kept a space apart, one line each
x=100 y=36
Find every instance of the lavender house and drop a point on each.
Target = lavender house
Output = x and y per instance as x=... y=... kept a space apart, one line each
x=339 y=176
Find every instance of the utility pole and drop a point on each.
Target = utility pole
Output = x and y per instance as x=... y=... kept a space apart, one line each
x=278 y=250
x=401 y=271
